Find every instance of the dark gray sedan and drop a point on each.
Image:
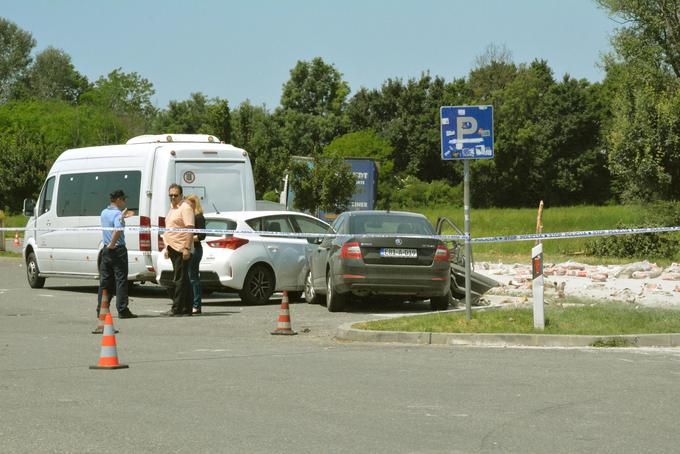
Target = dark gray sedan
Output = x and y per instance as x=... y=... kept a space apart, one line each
x=382 y=253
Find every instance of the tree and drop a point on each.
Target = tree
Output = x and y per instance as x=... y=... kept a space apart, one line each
x=493 y=70
x=315 y=88
x=368 y=144
x=218 y=120
x=127 y=95
x=642 y=139
x=312 y=105
x=326 y=183
x=15 y=55
x=255 y=130
x=197 y=115
x=25 y=163
x=52 y=76
x=407 y=115
x=33 y=133
x=651 y=33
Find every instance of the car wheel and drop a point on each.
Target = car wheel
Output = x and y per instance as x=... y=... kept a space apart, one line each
x=33 y=272
x=310 y=294
x=335 y=301
x=258 y=285
x=439 y=303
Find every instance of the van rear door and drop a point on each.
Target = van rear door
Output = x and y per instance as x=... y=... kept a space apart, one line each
x=219 y=184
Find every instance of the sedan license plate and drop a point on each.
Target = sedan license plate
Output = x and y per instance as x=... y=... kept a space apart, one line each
x=398 y=253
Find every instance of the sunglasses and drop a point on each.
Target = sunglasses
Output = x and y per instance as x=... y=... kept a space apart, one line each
x=172 y=196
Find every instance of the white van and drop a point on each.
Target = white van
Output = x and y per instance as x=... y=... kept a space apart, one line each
x=78 y=185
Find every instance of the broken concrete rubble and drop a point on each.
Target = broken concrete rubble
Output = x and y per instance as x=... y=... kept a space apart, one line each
x=641 y=283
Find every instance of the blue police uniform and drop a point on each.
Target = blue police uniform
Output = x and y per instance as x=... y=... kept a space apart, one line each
x=114 y=262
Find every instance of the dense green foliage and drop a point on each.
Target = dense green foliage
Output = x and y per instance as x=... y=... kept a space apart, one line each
x=660 y=214
x=557 y=139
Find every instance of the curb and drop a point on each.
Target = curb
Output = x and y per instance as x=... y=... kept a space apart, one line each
x=346 y=332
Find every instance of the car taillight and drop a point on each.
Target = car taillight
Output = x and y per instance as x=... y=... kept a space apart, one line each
x=350 y=251
x=442 y=253
x=227 y=243
x=161 y=224
x=145 y=236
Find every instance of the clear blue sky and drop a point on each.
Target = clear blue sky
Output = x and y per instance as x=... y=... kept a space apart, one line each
x=240 y=50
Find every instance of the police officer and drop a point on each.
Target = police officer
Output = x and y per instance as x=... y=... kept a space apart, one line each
x=114 y=259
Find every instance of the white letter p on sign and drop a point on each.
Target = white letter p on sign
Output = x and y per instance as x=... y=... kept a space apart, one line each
x=462 y=130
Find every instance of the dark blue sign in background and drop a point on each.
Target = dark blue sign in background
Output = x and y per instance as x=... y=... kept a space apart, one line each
x=467 y=132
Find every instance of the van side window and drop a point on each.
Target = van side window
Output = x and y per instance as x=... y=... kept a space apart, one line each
x=87 y=194
x=47 y=196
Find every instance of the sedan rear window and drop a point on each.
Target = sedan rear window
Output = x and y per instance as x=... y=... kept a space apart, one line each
x=390 y=223
x=219 y=224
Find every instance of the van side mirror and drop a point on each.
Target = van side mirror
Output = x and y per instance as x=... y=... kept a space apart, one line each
x=29 y=207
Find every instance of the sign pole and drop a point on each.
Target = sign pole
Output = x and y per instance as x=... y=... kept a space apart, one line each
x=467 y=133
x=468 y=245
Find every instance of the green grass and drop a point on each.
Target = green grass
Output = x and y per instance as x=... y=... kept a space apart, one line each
x=9 y=254
x=581 y=318
x=15 y=220
x=508 y=221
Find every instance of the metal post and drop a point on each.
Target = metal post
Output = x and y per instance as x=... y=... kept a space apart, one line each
x=537 y=285
x=468 y=245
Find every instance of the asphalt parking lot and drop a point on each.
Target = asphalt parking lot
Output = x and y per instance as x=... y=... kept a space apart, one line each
x=220 y=382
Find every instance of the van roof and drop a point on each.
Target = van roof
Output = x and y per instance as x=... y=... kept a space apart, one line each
x=173 y=138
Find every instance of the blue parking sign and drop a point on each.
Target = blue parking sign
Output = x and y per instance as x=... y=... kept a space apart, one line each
x=467 y=132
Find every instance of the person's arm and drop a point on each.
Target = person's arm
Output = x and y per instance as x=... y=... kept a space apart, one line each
x=114 y=240
x=188 y=218
x=200 y=224
x=117 y=223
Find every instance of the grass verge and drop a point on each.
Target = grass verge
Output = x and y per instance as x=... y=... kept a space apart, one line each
x=10 y=254
x=575 y=317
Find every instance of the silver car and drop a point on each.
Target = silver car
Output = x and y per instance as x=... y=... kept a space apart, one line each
x=251 y=263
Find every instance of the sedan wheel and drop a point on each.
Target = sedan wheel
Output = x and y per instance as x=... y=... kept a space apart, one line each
x=335 y=301
x=439 y=303
x=258 y=285
x=310 y=294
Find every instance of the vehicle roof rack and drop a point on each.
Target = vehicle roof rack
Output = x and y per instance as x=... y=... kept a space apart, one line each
x=174 y=138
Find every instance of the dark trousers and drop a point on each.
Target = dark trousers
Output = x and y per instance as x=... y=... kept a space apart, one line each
x=195 y=276
x=181 y=300
x=114 y=269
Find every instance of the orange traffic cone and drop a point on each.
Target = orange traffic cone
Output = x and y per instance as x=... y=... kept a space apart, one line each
x=108 y=358
x=103 y=310
x=17 y=241
x=283 y=326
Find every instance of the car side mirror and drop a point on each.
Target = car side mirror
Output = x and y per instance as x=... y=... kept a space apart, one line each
x=314 y=239
x=29 y=207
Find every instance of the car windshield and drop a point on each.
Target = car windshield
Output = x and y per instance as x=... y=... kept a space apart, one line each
x=390 y=223
x=219 y=224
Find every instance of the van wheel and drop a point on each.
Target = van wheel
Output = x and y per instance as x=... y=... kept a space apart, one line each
x=258 y=285
x=33 y=272
x=335 y=301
